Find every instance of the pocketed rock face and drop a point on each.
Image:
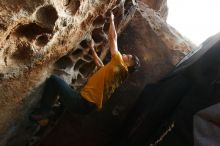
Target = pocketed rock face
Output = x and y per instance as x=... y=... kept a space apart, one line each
x=45 y=36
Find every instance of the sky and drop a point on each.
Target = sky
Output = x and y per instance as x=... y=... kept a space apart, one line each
x=195 y=19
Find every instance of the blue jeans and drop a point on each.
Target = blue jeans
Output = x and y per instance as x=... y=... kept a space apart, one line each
x=69 y=98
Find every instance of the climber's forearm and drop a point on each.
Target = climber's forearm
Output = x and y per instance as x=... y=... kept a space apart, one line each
x=112 y=36
x=96 y=58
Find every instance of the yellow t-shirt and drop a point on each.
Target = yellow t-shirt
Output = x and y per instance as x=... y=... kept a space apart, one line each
x=102 y=84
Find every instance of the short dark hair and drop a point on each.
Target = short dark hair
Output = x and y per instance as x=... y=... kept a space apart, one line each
x=136 y=65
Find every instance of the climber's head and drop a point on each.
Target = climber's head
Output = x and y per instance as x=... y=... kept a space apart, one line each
x=132 y=62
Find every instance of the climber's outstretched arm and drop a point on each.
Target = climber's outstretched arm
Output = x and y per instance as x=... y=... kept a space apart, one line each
x=112 y=36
